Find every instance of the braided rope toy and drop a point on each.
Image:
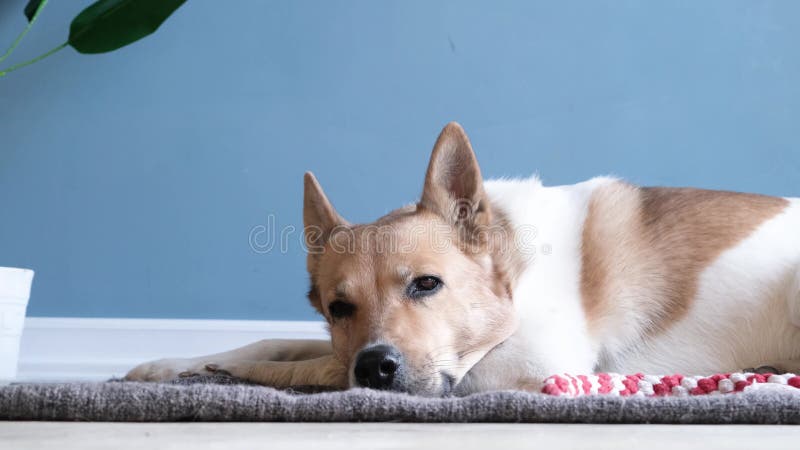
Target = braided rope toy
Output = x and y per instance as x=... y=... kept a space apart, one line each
x=640 y=385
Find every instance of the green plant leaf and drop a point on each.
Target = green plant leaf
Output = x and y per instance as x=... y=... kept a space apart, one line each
x=31 y=7
x=107 y=25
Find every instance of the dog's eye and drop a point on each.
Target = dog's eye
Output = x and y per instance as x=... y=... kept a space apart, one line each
x=340 y=309
x=424 y=286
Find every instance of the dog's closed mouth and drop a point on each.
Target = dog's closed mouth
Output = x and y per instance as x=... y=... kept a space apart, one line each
x=448 y=384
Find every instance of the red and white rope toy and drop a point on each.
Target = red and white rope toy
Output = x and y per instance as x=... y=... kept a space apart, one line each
x=640 y=385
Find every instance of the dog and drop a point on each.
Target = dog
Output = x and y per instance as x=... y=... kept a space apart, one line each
x=498 y=284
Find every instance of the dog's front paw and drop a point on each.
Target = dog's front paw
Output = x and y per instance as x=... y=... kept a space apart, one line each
x=236 y=370
x=167 y=369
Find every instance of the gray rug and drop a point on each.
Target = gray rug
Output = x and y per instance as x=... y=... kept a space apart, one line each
x=199 y=400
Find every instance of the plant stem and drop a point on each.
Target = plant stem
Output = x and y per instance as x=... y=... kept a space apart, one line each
x=27 y=63
x=24 y=32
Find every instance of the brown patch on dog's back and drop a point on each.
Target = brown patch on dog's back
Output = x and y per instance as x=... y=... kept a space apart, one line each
x=645 y=248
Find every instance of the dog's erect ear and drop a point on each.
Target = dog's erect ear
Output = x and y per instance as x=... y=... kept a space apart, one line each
x=319 y=217
x=453 y=184
x=319 y=221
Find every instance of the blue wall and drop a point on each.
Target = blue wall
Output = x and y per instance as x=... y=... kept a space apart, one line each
x=131 y=181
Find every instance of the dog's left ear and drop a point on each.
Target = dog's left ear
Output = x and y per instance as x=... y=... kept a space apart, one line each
x=453 y=184
x=319 y=216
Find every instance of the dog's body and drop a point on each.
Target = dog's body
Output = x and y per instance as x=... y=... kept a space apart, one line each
x=650 y=280
x=600 y=275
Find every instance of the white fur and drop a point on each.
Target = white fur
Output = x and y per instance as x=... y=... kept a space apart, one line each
x=746 y=312
x=794 y=300
x=547 y=296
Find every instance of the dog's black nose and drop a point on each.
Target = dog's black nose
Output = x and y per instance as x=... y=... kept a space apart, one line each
x=377 y=367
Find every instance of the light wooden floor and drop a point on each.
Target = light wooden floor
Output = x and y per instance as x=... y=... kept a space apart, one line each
x=351 y=436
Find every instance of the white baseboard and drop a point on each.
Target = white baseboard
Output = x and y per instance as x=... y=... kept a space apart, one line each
x=72 y=349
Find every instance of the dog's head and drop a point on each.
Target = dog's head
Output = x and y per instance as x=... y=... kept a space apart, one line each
x=416 y=298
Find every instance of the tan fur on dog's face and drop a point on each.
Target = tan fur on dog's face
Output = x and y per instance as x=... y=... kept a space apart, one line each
x=450 y=235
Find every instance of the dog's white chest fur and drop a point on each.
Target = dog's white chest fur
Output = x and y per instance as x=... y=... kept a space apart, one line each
x=743 y=312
